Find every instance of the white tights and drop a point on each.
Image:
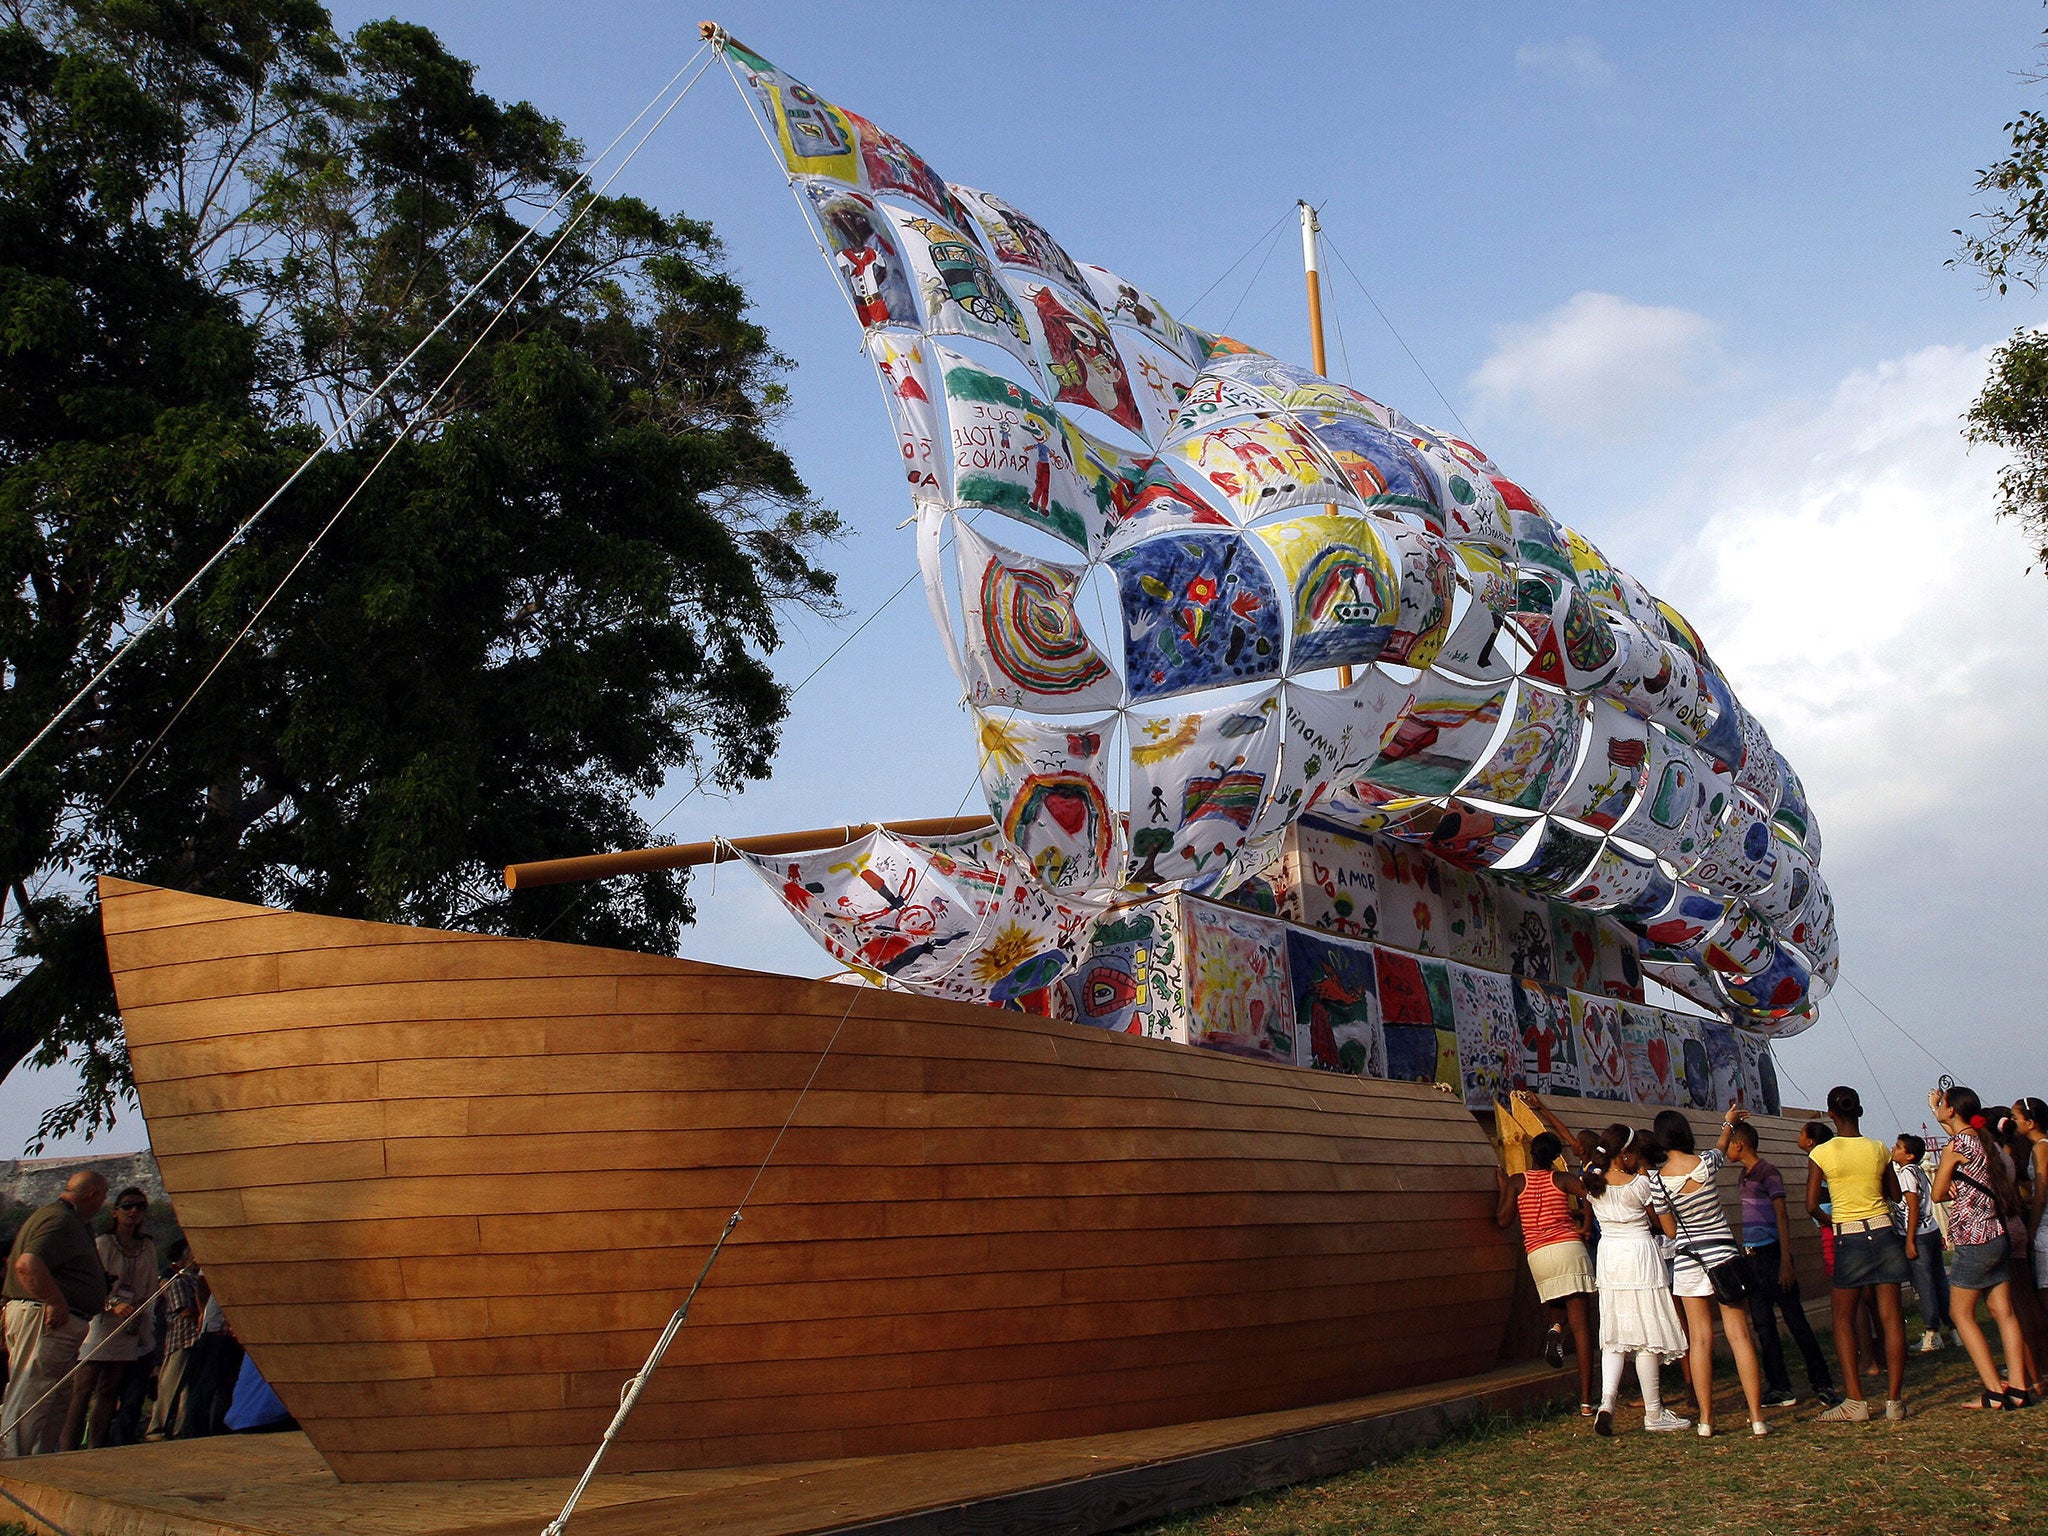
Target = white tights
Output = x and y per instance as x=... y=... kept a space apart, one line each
x=1649 y=1370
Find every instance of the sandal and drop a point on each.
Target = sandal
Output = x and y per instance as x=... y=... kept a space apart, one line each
x=1585 y=1410
x=1553 y=1348
x=2017 y=1398
x=1990 y=1402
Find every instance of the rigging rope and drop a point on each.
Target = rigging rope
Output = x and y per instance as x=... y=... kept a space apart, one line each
x=162 y=611
x=1895 y=1024
x=405 y=432
x=1259 y=241
x=1843 y=1014
x=1375 y=303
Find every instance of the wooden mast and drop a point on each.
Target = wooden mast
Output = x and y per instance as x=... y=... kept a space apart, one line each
x=640 y=861
x=1311 y=261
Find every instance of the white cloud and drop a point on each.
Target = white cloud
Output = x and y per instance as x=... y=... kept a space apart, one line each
x=1847 y=572
x=1574 y=60
x=1600 y=365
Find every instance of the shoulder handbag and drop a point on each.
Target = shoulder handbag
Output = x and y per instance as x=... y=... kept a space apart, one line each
x=1732 y=1279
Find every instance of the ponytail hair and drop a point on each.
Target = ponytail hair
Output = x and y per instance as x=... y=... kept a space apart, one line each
x=1964 y=1104
x=2035 y=1111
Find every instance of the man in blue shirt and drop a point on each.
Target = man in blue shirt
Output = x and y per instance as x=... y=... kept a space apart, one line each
x=1767 y=1239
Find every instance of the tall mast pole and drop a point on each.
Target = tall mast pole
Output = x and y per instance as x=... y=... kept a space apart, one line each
x=1312 y=265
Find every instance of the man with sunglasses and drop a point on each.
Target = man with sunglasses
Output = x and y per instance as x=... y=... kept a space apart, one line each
x=54 y=1286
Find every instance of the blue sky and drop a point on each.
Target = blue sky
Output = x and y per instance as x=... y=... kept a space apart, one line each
x=1679 y=269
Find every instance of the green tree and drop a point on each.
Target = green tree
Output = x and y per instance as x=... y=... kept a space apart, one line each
x=220 y=225
x=2007 y=245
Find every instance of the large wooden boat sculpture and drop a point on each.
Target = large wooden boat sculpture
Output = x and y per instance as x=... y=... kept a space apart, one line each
x=451 y=1187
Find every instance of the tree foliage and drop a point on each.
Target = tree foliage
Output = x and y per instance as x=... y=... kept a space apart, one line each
x=221 y=225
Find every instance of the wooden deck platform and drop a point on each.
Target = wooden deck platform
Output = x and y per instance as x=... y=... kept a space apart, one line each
x=275 y=1485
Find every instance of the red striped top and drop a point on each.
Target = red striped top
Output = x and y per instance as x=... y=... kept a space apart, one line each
x=1545 y=1217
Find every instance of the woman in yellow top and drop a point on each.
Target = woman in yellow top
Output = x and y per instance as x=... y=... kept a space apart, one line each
x=1869 y=1254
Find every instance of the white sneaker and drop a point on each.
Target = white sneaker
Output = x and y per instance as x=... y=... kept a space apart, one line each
x=1930 y=1341
x=1665 y=1422
x=1759 y=1427
x=1895 y=1409
x=1704 y=1431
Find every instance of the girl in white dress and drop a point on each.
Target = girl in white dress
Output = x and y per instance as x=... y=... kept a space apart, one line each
x=1636 y=1315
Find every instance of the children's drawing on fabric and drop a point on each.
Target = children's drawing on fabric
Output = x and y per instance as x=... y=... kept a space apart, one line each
x=1652 y=1075
x=1472 y=920
x=1296 y=390
x=1020 y=946
x=1459 y=833
x=1470 y=506
x=1525 y=931
x=1045 y=782
x=889 y=165
x=1537 y=541
x=1138 y=495
x=1259 y=465
x=1741 y=855
x=1331 y=736
x=1685 y=706
x=1160 y=381
x=1587 y=647
x=1024 y=644
x=877 y=905
x=1384 y=470
x=1759 y=1076
x=1758 y=773
x=1261 y=877
x=1575 y=948
x=1415 y=1013
x=1779 y=987
x=1198 y=782
x=1591 y=571
x=1663 y=820
x=1412 y=913
x=1212 y=401
x=1739 y=946
x=1078 y=353
x=1343 y=586
x=1530 y=766
x=1429 y=581
x=1612 y=771
x=1125 y=304
x=1338 y=882
x=1621 y=971
x=1549 y=1061
x=1603 y=1063
x=1107 y=987
x=1238 y=985
x=1010 y=452
x=1691 y=916
x=1336 y=1005
x=1489 y=1044
x=1017 y=240
x=1439 y=736
x=1199 y=611
x=900 y=362
x=1695 y=1073
x=816 y=138
x=1558 y=862
x=1617 y=879
x=870 y=263
x=1792 y=812
x=1482 y=647
x=1724 y=1063
x=958 y=288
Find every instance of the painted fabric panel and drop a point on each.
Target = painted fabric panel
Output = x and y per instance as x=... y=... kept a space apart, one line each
x=1466 y=500
x=1330 y=737
x=1336 y=1005
x=1198 y=781
x=1238 y=985
x=902 y=362
x=1145 y=497
x=1429 y=582
x=1337 y=882
x=1078 y=354
x=1741 y=855
x=1525 y=931
x=958 y=288
x=1472 y=920
x=1046 y=787
x=878 y=906
x=1258 y=464
x=1558 y=861
x=1010 y=452
x=816 y=138
x=1695 y=1078
x=1575 y=948
x=1445 y=729
x=1108 y=987
x=1663 y=820
x=1126 y=304
x=1459 y=833
x=1612 y=773
x=1777 y=988
x=1548 y=1057
x=1532 y=764
x=1024 y=643
x=1691 y=916
x=1603 y=1062
x=1481 y=647
x=1417 y=1019
x=1021 y=940
x=1724 y=1063
x=1621 y=971
x=1383 y=469
x=866 y=254
x=1652 y=1074
x=1017 y=240
x=1199 y=611
x=1489 y=1044
x=1160 y=381
x=1343 y=586
x=1412 y=913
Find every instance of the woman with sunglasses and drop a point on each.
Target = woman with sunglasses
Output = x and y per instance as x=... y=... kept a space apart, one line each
x=118 y=1336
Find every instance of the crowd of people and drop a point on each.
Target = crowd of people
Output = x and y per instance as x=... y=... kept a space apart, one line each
x=106 y=1343
x=1630 y=1226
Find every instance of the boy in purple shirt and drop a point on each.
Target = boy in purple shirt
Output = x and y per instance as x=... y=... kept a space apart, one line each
x=1767 y=1239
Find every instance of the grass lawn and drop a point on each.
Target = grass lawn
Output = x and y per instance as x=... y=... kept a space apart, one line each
x=1944 y=1467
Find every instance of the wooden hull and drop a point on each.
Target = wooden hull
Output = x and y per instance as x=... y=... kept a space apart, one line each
x=449 y=1188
